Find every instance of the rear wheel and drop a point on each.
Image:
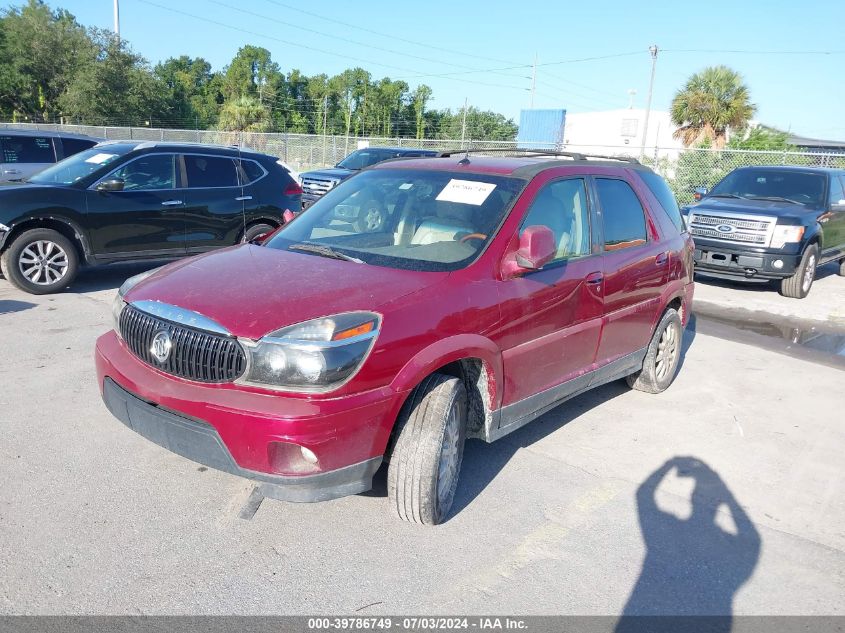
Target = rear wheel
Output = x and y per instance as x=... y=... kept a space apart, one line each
x=426 y=460
x=662 y=356
x=842 y=267
x=798 y=285
x=256 y=230
x=40 y=261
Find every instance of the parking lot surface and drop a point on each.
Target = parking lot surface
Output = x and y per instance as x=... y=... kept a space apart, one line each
x=724 y=494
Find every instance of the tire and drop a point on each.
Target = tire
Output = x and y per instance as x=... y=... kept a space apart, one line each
x=798 y=286
x=40 y=261
x=371 y=218
x=426 y=459
x=663 y=356
x=842 y=267
x=255 y=230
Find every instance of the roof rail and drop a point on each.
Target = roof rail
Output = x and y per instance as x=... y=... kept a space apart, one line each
x=538 y=153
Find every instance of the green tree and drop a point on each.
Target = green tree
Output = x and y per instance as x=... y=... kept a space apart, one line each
x=118 y=89
x=193 y=90
x=419 y=99
x=761 y=139
x=42 y=52
x=244 y=114
x=709 y=103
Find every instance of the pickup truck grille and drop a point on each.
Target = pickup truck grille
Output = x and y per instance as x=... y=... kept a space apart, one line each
x=733 y=228
x=317 y=186
x=194 y=354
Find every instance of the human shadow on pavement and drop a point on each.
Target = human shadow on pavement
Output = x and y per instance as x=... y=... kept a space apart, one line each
x=7 y=306
x=693 y=566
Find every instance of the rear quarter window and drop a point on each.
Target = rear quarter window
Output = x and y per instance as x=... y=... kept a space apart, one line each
x=73 y=146
x=665 y=197
x=252 y=171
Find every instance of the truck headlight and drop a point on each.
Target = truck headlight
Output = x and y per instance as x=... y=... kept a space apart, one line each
x=786 y=234
x=118 y=303
x=317 y=355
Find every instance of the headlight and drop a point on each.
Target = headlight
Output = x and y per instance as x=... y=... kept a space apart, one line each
x=118 y=303
x=786 y=234
x=317 y=355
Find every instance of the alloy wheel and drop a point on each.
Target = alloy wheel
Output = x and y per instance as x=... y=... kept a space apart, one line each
x=43 y=262
x=667 y=351
x=809 y=273
x=447 y=471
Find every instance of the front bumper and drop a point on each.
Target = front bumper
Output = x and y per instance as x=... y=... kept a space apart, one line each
x=239 y=430
x=722 y=260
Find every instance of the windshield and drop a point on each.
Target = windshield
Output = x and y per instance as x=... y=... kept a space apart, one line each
x=78 y=166
x=365 y=157
x=403 y=218
x=792 y=186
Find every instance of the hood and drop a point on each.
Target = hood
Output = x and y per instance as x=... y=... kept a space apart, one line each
x=752 y=207
x=335 y=173
x=253 y=290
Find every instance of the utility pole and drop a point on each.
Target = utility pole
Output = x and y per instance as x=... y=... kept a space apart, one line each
x=653 y=50
x=325 y=124
x=533 y=78
x=117 y=19
x=464 y=122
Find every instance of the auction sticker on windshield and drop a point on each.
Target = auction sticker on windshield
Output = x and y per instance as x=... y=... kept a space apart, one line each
x=99 y=159
x=466 y=192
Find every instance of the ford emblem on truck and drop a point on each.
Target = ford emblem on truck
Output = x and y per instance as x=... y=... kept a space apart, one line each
x=725 y=228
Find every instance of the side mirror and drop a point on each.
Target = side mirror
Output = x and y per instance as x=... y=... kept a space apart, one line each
x=113 y=184
x=699 y=193
x=536 y=249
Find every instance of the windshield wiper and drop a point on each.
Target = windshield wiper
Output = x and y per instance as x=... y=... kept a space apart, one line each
x=325 y=251
x=774 y=199
x=725 y=195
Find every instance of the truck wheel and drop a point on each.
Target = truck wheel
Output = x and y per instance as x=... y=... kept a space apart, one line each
x=40 y=261
x=842 y=267
x=426 y=460
x=798 y=286
x=662 y=357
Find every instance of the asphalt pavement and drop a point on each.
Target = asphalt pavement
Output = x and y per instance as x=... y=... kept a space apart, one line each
x=723 y=495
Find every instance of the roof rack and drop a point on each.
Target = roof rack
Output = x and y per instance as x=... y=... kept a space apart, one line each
x=538 y=153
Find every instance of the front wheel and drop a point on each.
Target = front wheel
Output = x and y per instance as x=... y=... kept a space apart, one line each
x=842 y=267
x=798 y=285
x=662 y=356
x=40 y=261
x=256 y=230
x=426 y=460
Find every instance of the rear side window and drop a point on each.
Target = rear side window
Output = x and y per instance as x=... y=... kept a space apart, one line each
x=665 y=197
x=27 y=149
x=622 y=214
x=210 y=171
x=836 y=192
x=252 y=171
x=72 y=146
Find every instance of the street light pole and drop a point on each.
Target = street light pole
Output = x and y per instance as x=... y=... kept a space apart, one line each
x=653 y=50
x=117 y=19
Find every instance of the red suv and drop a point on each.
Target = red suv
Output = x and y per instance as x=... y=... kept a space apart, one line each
x=496 y=289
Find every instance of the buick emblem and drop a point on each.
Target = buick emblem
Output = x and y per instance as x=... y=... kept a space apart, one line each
x=162 y=344
x=725 y=228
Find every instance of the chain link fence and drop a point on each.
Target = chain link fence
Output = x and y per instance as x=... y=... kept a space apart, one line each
x=684 y=169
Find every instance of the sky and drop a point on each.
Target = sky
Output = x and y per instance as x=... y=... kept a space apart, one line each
x=589 y=55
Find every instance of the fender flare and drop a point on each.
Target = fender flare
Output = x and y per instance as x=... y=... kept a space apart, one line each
x=449 y=350
x=78 y=233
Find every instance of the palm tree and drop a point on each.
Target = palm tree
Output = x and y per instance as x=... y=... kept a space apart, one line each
x=244 y=114
x=711 y=101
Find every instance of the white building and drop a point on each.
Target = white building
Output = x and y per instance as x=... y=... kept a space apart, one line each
x=620 y=132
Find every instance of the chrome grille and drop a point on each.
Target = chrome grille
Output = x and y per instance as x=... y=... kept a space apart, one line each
x=195 y=354
x=755 y=230
x=316 y=186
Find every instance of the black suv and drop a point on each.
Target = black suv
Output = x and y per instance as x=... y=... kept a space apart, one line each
x=26 y=152
x=771 y=223
x=316 y=183
x=126 y=200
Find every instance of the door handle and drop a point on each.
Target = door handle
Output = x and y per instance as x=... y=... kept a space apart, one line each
x=171 y=203
x=594 y=279
x=241 y=198
x=11 y=171
x=661 y=259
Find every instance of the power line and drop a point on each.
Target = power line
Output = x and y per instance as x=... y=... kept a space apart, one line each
x=749 y=52
x=319 y=50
